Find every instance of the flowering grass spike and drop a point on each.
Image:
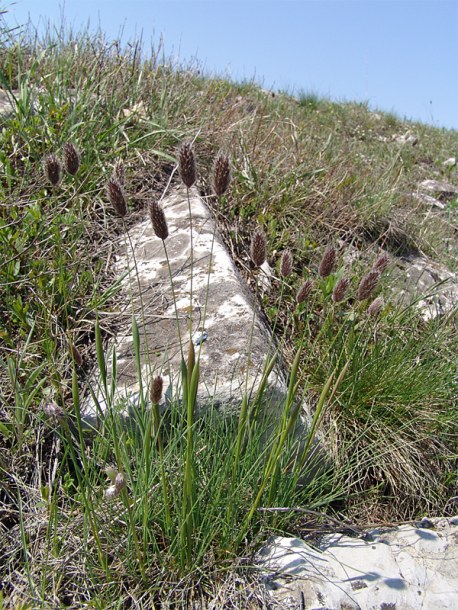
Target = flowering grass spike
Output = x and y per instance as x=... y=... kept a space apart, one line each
x=53 y=169
x=327 y=262
x=116 y=197
x=258 y=247
x=187 y=164
x=221 y=174
x=71 y=158
x=158 y=220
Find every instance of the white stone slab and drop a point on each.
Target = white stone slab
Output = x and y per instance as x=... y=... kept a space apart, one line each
x=408 y=568
x=223 y=312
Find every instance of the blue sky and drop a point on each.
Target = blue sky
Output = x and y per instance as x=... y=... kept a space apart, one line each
x=397 y=55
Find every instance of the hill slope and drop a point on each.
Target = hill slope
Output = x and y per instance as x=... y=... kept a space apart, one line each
x=311 y=174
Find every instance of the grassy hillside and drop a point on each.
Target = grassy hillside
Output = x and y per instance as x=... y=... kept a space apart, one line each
x=311 y=174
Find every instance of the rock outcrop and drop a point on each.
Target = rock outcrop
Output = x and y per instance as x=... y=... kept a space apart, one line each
x=431 y=285
x=436 y=193
x=410 y=567
x=228 y=333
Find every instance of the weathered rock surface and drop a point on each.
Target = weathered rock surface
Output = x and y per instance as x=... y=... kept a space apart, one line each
x=5 y=103
x=445 y=189
x=8 y=100
x=405 y=568
x=450 y=162
x=429 y=200
x=436 y=193
x=431 y=285
x=221 y=312
x=406 y=138
x=435 y=287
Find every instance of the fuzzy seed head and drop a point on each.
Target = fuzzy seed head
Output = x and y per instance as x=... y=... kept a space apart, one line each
x=338 y=294
x=111 y=492
x=53 y=169
x=53 y=411
x=381 y=263
x=158 y=220
x=375 y=307
x=367 y=285
x=304 y=291
x=286 y=263
x=221 y=174
x=258 y=247
x=327 y=262
x=156 y=390
x=116 y=196
x=187 y=164
x=71 y=158
x=119 y=482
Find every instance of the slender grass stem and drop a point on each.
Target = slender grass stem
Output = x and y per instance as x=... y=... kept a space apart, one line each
x=165 y=486
x=140 y=296
x=174 y=299
x=191 y=261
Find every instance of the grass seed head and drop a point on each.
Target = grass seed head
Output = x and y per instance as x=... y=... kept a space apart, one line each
x=53 y=169
x=221 y=174
x=381 y=263
x=187 y=164
x=116 y=196
x=53 y=411
x=375 y=307
x=286 y=263
x=368 y=284
x=119 y=482
x=338 y=294
x=111 y=492
x=258 y=247
x=327 y=262
x=71 y=158
x=304 y=291
x=156 y=390
x=158 y=220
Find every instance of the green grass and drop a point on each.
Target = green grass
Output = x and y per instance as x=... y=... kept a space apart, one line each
x=382 y=390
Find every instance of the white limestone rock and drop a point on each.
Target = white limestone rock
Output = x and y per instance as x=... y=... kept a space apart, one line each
x=406 y=138
x=222 y=313
x=444 y=189
x=404 y=568
x=435 y=193
x=432 y=201
x=432 y=283
x=451 y=162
